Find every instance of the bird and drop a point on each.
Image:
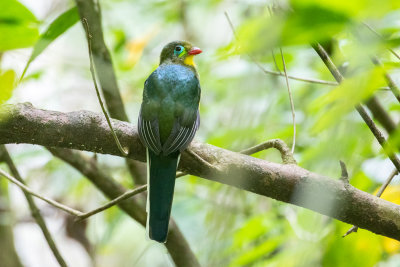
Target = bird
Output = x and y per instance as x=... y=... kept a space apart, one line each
x=168 y=120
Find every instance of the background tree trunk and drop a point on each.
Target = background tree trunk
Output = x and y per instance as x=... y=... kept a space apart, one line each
x=8 y=255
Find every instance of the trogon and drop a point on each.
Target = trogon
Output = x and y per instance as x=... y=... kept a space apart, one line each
x=168 y=120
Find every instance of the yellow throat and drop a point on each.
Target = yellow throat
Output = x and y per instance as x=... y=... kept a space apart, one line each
x=189 y=60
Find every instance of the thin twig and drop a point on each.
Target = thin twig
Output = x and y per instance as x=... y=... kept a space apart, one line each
x=387 y=182
x=353 y=229
x=114 y=202
x=391 y=83
x=361 y=110
x=48 y=200
x=34 y=209
x=381 y=115
x=272 y=49
x=89 y=38
x=291 y=101
x=309 y=80
x=78 y=214
x=275 y=63
x=380 y=36
x=379 y=136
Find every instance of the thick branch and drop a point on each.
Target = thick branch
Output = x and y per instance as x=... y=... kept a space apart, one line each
x=285 y=182
x=94 y=128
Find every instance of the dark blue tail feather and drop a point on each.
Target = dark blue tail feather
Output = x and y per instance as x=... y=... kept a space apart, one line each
x=161 y=183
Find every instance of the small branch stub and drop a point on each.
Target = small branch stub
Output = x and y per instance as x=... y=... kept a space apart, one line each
x=345 y=175
x=286 y=154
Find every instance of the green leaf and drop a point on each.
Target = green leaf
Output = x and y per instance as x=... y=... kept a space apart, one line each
x=306 y=24
x=7 y=81
x=18 y=26
x=358 y=9
x=257 y=252
x=60 y=25
x=341 y=100
x=361 y=249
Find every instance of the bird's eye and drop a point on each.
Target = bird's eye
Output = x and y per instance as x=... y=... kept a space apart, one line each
x=178 y=50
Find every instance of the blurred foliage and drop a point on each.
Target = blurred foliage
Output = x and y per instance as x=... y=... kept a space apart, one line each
x=7 y=81
x=55 y=29
x=240 y=107
x=18 y=26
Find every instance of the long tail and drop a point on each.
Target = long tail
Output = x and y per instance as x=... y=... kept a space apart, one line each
x=161 y=182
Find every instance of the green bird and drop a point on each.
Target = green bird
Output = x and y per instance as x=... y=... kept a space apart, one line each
x=168 y=120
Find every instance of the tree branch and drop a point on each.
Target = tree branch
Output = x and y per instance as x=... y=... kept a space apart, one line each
x=361 y=110
x=89 y=38
x=32 y=206
x=390 y=82
x=76 y=213
x=380 y=114
x=286 y=154
x=102 y=59
x=367 y=119
x=382 y=38
x=115 y=201
x=288 y=183
x=31 y=192
x=379 y=136
x=354 y=228
x=287 y=158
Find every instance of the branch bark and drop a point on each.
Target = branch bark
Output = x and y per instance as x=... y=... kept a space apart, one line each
x=48 y=118
x=289 y=183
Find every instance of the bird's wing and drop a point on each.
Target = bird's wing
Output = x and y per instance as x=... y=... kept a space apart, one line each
x=149 y=134
x=184 y=96
x=181 y=136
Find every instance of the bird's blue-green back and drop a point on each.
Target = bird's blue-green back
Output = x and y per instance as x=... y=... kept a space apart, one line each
x=169 y=113
x=168 y=120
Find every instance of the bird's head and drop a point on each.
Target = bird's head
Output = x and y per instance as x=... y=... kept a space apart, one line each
x=180 y=52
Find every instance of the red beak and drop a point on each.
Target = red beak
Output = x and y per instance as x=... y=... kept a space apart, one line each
x=195 y=51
